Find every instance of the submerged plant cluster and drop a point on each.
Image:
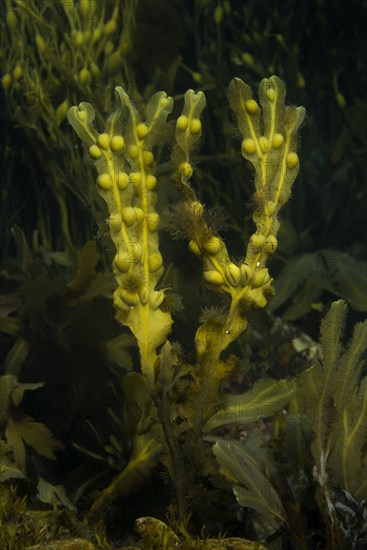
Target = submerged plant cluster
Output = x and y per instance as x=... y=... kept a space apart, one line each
x=150 y=397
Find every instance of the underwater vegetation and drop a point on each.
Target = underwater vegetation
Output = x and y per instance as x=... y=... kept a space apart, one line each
x=186 y=396
x=163 y=381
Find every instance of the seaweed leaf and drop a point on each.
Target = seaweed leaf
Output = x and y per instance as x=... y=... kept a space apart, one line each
x=264 y=399
x=87 y=283
x=116 y=352
x=244 y=467
x=8 y=468
x=53 y=494
x=333 y=397
x=304 y=279
x=146 y=449
x=291 y=278
x=27 y=431
x=349 y=447
x=16 y=356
